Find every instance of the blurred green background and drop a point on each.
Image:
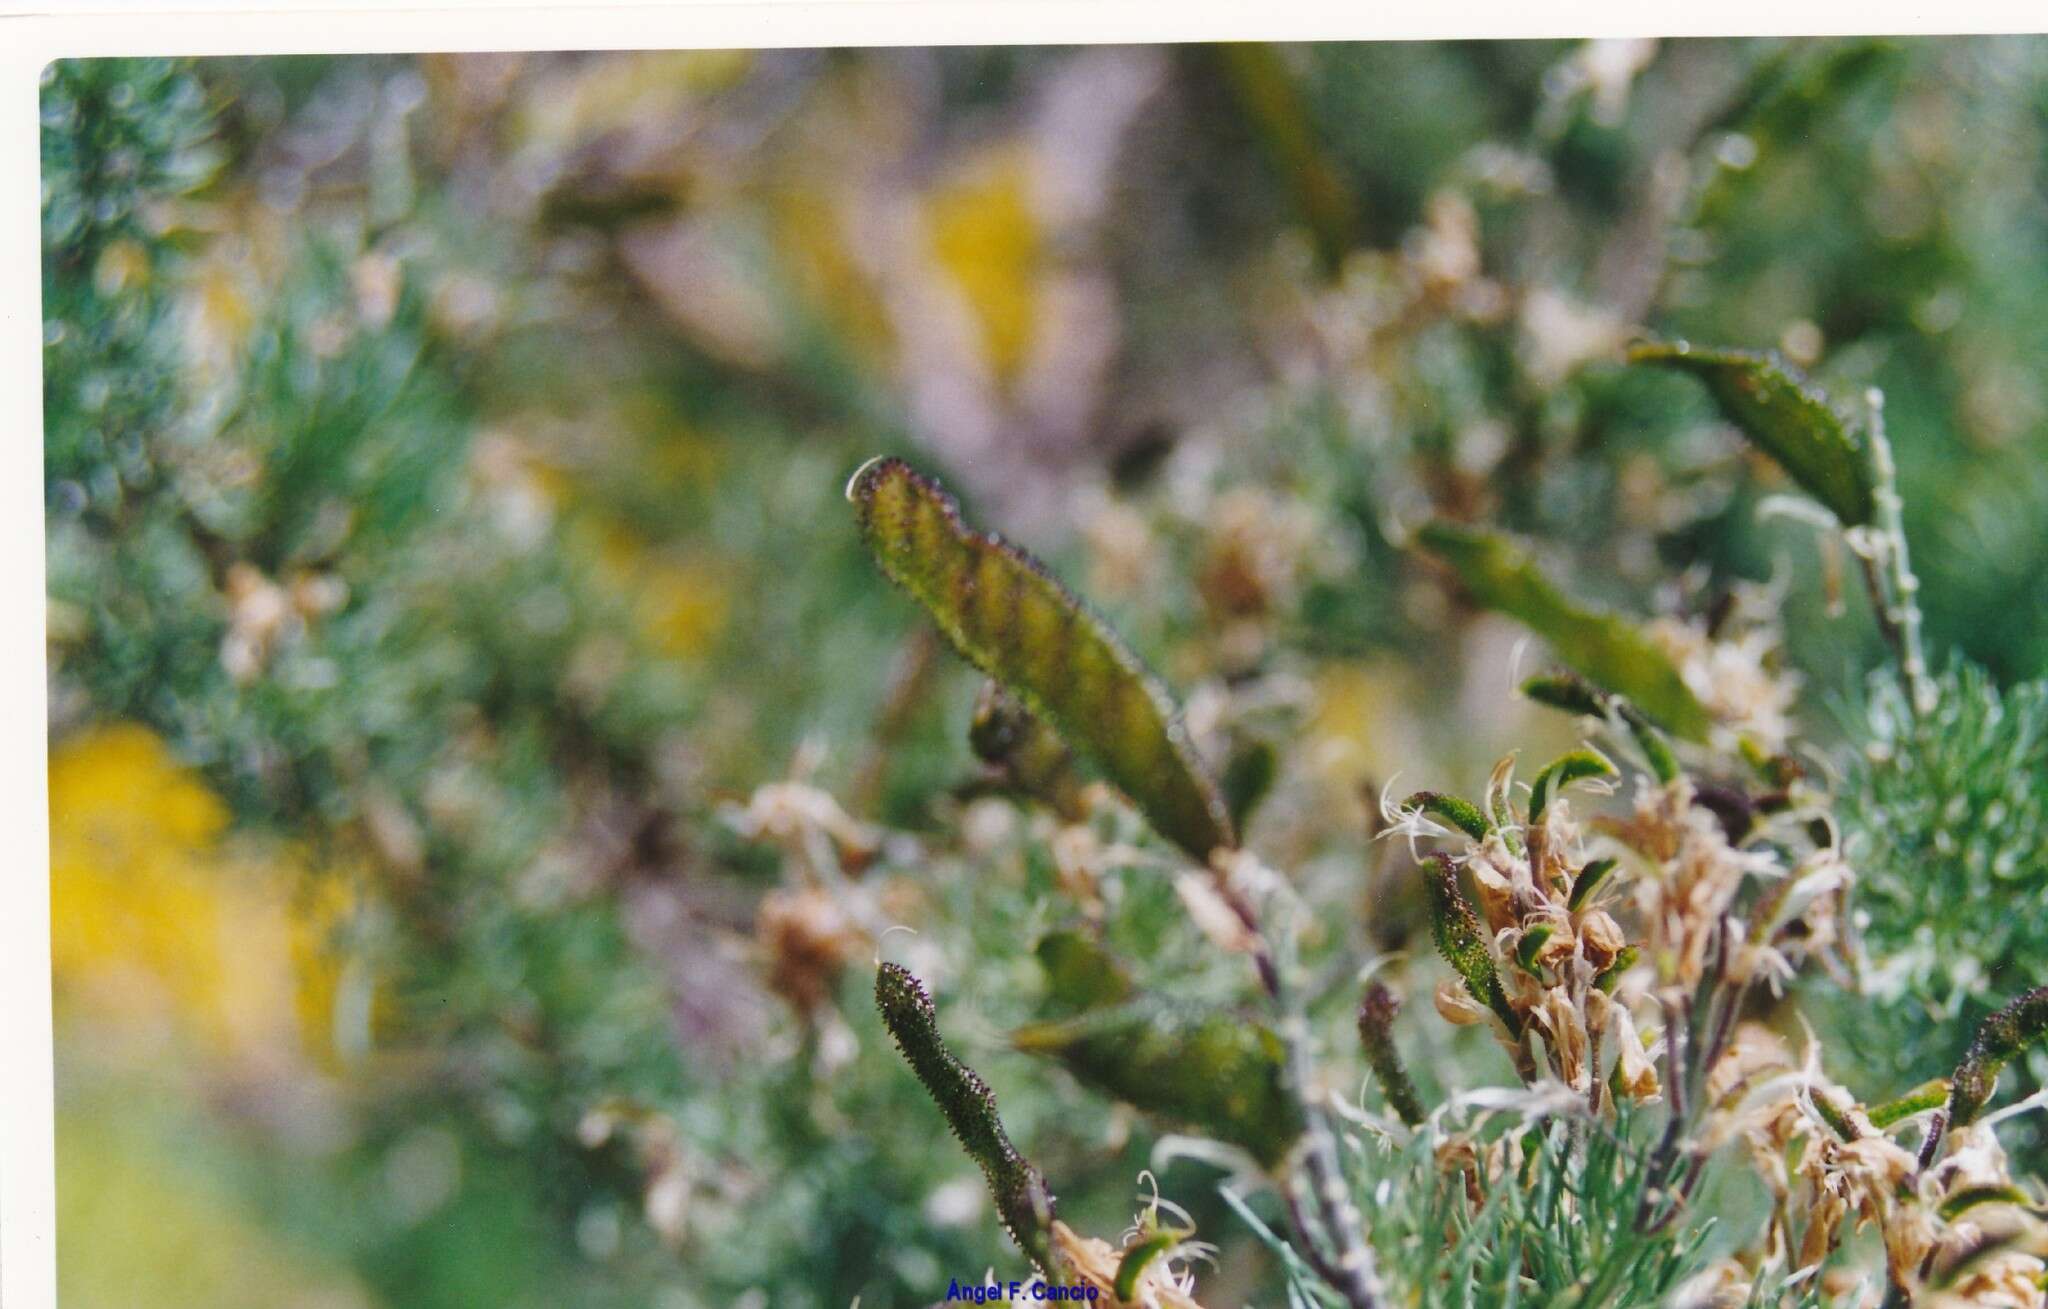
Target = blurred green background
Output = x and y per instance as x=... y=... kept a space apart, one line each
x=444 y=460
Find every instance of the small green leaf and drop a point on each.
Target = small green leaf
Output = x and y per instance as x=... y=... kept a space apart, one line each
x=1576 y=766
x=1588 y=881
x=1605 y=647
x=1019 y=1189
x=1566 y=692
x=1504 y=820
x=1209 y=1070
x=1247 y=777
x=1080 y=974
x=1006 y=615
x=1462 y=942
x=1785 y=416
x=1611 y=976
x=1656 y=750
x=1135 y=1261
x=1926 y=1096
x=2000 y=1037
x=1376 y=1014
x=1574 y=695
x=1970 y=1197
x=1531 y=945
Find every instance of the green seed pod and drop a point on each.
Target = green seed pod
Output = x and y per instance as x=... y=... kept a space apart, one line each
x=1210 y=1070
x=1006 y=615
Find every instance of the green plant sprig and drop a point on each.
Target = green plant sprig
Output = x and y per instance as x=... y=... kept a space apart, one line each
x=1019 y=1189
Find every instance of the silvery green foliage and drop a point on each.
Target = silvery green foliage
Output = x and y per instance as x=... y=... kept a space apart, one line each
x=121 y=140
x=1945 y=820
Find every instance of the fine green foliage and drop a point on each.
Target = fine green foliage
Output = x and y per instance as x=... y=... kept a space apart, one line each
x=970 y=1109
x=1006 y=615
x=1786 y=417
x=1946 y=819
x=1606 y=648
x=121 y=140
x=2002 y=1036
x=1215 y=1071
x=1556 y=1227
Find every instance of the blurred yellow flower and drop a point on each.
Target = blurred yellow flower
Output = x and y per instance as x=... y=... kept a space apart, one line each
x=987 y=238
x=813 y=247
x=683 y=607
x=680 y=603
x=1350 y=705
x=157 y=931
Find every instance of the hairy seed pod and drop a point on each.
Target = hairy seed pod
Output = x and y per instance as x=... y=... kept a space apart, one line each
x=1461 y=942
x=1021 y=1197
x=1376 y=1013
x=2000 y=1037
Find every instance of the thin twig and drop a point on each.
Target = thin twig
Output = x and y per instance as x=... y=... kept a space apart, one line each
x=1677 y=1029
x=1897 y=591
x=1351 y=1273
